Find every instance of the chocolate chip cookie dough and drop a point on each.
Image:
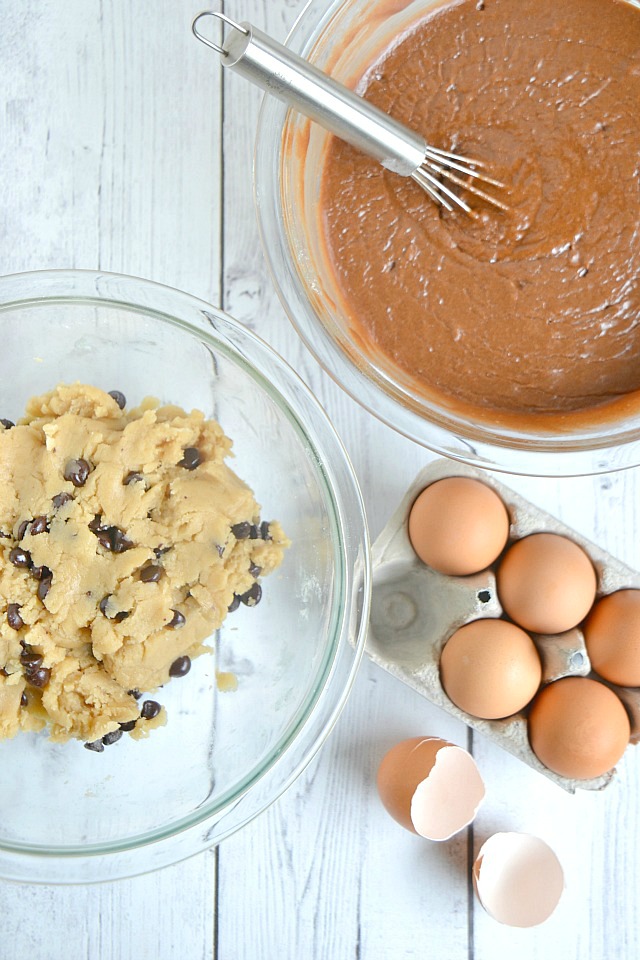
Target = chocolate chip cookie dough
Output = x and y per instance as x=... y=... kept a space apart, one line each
x=125 y=540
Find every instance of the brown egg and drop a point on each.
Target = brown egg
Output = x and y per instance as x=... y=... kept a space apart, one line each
x=458 y=526
x=546 y=583
x=578 y=728
x=612 y=635
x=430 y=786
x=490 y=668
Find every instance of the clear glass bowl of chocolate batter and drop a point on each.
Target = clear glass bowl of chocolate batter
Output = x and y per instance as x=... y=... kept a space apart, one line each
x=71 y=815
x=530 y=364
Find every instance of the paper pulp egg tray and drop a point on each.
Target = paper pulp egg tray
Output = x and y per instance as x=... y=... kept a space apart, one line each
x=416 y=609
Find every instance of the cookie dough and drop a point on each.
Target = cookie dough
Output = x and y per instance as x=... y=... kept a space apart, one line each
x=125 y=540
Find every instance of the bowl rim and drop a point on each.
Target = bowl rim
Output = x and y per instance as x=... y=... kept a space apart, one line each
x=554 y=455
x=314 y=719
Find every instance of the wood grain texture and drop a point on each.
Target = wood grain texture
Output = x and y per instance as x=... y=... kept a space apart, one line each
x=594 y=834
x=110 y=159
x=167 y=915
x=123 y=147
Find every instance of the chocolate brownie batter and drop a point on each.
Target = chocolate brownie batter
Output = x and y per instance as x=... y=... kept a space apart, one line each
x=534 y=312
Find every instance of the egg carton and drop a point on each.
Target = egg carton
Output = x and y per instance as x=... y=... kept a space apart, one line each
x=414 y=610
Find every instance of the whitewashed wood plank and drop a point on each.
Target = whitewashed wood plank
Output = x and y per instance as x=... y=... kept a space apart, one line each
x=334 y=876
x=110 y=159
x=162 y=916
x=110 y=150
x=595 y=836
x=293 y=846
x=291 y=871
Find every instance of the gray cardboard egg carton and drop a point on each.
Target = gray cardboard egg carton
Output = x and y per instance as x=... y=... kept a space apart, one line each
x=415 y=610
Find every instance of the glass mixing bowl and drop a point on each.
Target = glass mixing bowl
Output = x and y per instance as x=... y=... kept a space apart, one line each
x=343 y=37
x=70 y=815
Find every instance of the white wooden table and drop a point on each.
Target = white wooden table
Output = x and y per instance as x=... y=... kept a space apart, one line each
x=122 y=148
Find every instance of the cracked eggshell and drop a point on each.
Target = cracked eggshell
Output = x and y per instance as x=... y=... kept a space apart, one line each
x=430 y=786
x=518 y=879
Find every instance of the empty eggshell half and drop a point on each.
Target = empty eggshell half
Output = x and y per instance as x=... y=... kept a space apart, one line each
x=430 y=786
x=518 y=879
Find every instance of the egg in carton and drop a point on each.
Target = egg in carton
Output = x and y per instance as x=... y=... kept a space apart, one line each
x=415 y=609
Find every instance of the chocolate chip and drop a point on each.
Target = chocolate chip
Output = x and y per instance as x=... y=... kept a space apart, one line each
x=22 y=529
x=39 y=678
x=254 y=569
x=127 y=726
x=96 y=745
x=117 y=617
x=220 y=549
x=119 y=540
x=14 y=619
x=254 y=533
x=180 y=667
x=132 y=477
x=191 y=459
x=24 y=700
x=178 y=620
x=113 y=539
x=43 y=588
x=264 y=531
x=119 y=398
x=7 y=424
x=94 y=524
x=242 y=530
x=160 y=551
x=111 y=737
x=151 y=573
x=104 y=537
x=20 y=558
x=235 y=603
x=3 y=672
x=77 y=472
x=135 y=693
x=30 y=661
x=252 y=596
x=38 y=525
x=60 y=499
x=150 y=709
x=41 y=573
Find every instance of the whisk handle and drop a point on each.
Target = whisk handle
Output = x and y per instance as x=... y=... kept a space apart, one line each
x=290 y=78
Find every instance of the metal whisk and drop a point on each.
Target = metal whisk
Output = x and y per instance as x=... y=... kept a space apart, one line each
x=350 y=117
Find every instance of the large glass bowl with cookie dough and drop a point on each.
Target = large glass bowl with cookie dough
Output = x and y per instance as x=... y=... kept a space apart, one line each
x=349 y=39
x=124 y=464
